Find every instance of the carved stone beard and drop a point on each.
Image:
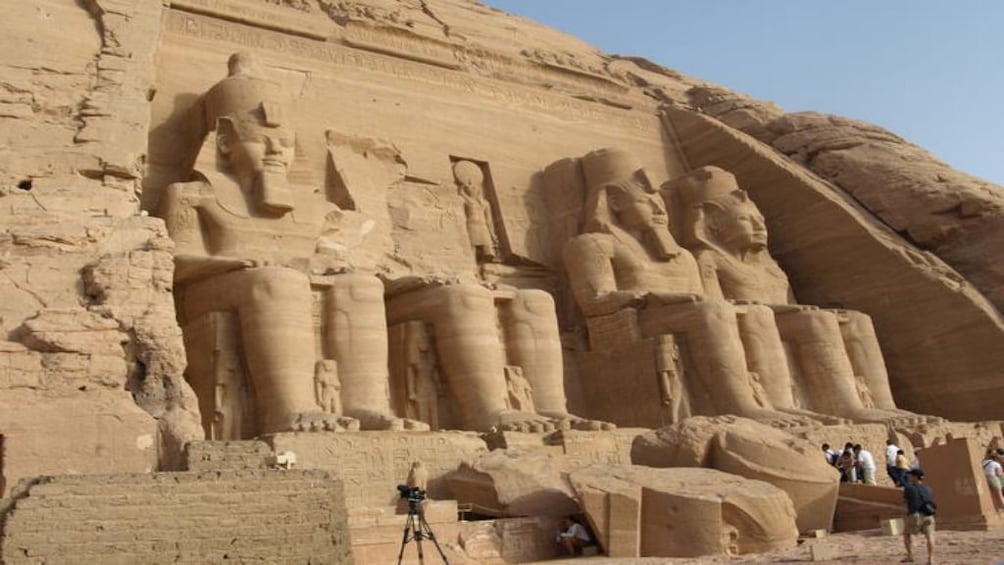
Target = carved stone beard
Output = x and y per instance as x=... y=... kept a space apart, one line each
x=660 y=243
x=272 y=193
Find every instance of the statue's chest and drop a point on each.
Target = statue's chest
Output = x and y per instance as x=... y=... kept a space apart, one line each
x=745 y=282
x=276 y=240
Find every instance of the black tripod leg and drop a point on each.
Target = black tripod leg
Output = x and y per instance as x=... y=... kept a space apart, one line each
x=428 y=533
x=404 y=537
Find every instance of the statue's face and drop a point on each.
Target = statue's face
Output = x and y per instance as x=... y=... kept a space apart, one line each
x=741 y=225
x=257 y=149
x=638 y=209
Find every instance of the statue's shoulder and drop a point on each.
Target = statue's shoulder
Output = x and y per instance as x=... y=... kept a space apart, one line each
x=190 y=192
x=590 y=244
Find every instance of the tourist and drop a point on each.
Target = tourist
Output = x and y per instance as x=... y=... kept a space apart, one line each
x=866 y=463
x=830 y=454
x=902 y=467
x=993 y=470
x=846 y=466
x=573 y=536
x=891 y=449
x=915 y=463
x=920 y=508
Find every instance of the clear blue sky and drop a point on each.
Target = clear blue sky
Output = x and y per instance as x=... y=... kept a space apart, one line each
x=931 y=71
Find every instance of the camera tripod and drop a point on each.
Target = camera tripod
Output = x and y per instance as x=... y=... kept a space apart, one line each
x=416 y=529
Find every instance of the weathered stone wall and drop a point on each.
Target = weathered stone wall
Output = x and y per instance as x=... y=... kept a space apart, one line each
x=372 y=464
x=209 y=517
x=226 y=455
x=87 y=327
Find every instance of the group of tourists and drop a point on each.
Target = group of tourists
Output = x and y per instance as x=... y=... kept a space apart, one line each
x=857 y=465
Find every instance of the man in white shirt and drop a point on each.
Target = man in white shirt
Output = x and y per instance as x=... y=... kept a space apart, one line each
x=867 y=463
x=573 y=536
x=891 y=449
x=993 y=470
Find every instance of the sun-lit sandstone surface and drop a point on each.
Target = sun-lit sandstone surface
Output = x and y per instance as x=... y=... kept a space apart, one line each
x=374 y=233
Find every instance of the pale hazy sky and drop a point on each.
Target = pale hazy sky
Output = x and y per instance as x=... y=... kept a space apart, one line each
x=928 y=70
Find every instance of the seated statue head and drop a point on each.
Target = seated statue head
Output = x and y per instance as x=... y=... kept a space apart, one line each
x=621 y=196
x=719 y=214
x=253 y=141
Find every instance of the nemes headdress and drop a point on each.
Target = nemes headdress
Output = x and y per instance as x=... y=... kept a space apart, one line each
x=704 y=184
x=604 y=169
x=244 y=97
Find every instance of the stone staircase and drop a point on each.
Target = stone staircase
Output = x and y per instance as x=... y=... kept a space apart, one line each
x=251 y=515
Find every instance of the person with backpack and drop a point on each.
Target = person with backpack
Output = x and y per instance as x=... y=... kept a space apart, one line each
x=920 y=509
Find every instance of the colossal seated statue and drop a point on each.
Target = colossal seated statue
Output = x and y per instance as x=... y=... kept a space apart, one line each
x=833 y=350
x=244 y=235
x=480 y=334
x=628 y=261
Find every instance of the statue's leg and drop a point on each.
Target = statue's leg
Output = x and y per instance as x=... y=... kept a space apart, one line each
x=716 y=353
x=355 y=334
x=273 y=306
x=765 y=355
x=820 y=348
x=533 y=342
x=823 y=359
x=765 y=352
x=866 y=356
x=470 y=353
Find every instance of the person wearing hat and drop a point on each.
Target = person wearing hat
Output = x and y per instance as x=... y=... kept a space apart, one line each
x=920 y=510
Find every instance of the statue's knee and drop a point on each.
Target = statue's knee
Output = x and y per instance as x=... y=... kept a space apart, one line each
x=815 y=322
x=535 y=302
x=277 y=284
x=716 y=312
x=468 y=298
x=858 y=322
x=358 y=287
x=758 y=316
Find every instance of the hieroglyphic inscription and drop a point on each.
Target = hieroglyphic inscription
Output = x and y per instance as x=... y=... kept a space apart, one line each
x=539 y=73
x=194 y=25
x=296 y=22
x=608 y=447
x=398 y=46
x=372 y=464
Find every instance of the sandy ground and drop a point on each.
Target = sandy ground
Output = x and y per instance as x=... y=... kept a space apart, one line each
x=871 y=548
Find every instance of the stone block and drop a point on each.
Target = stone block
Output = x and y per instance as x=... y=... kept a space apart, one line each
x=893 y=527
x=824 y=552
x=372 y=464
x=684 y=512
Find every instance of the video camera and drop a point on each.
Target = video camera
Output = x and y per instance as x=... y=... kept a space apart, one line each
x=411 y=494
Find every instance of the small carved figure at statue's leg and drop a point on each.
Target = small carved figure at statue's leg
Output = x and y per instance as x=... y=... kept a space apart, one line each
x=533 y=342
x=827 y=369
x=716 y=351
x=765 y=355
x=356 y=337
x=469 y=351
